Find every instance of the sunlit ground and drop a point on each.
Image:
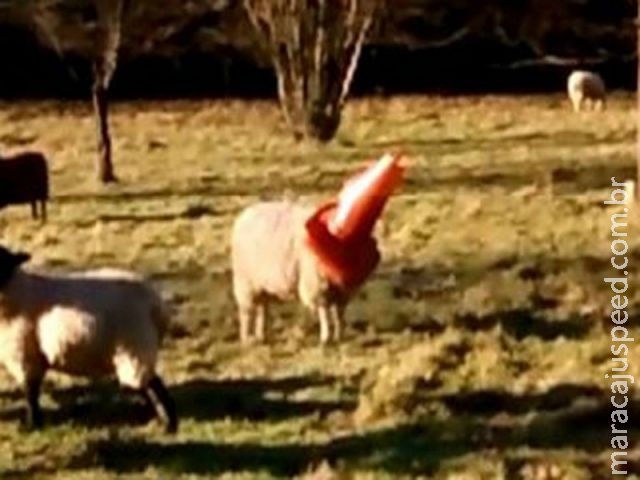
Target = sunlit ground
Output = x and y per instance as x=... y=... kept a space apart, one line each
x=457 y=365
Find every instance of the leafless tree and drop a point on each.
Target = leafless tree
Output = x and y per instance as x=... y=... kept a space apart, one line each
x=638 y=101
x=100 y=44
x=105 y=61
x=314 y=46
x=99 y=30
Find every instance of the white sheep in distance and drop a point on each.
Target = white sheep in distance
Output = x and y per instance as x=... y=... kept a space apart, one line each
x=89 y=324
x=586 y=87
x=269 y=259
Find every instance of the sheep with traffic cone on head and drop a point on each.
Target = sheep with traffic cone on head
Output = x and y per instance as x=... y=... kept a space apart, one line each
x=320 y=255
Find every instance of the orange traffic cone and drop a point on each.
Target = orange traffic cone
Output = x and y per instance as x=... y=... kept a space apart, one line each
x=362 y=199
x=345 y=263
x=340 y=232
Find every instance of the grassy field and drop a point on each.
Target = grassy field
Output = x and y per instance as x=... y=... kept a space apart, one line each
x=477 y=351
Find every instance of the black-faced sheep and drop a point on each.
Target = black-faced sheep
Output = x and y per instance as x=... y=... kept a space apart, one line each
x=586 y=87
x=90 y=324
x=24 y=178
x=271 y=260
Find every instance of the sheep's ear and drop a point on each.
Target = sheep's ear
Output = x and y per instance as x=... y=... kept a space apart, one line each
x=9 y=263
x=21 y=257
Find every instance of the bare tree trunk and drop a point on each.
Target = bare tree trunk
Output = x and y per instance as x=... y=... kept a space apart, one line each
x=104 y=66
x=314 y=46
x=104 y=163
x=638 y=101
x=105 y=41
x=290 y=99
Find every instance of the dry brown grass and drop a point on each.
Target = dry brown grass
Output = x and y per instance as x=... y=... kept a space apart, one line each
x=468 y=369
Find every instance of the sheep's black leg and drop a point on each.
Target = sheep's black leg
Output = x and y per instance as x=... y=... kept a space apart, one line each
x=34 y=413
x=163 y=404
x=43 y=210
x=34 y=209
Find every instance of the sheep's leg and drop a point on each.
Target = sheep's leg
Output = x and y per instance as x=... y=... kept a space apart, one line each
x=261 y=313
x=337 y=318
x=246 y=316
x=576 y=101
x=28 y=369
x=246 y=301
x=324 y=317
x=163 y=403
x=34 y=210
x=34 y=412
x=43 y=210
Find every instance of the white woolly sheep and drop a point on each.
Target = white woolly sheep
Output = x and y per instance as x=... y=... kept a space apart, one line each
x=90 y=324
x=586 y=87
x=269 y=260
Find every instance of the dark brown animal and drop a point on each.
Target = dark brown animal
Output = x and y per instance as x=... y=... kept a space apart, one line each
x=24 y=178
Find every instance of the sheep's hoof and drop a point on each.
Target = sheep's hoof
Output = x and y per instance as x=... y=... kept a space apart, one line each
x=171 y=428
x=30 y=427
x=252 y=341
x=327 y=343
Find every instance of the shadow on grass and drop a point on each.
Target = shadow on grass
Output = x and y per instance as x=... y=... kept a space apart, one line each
x=564 y=179
x=567 y=180
x=567 y=138
x=394 y=447
x=565 y=417
x=492 y=401
x=261 y=188
x=105 y=404
x=523 y=322
x=99 y=404
x=258 y=400
x=539 y=267
x=192 y=212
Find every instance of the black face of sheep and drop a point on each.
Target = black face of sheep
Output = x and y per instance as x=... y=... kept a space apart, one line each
x=9 y=262
x=24 y=178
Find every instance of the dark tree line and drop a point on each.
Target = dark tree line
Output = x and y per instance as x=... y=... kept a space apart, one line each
x=314 y=46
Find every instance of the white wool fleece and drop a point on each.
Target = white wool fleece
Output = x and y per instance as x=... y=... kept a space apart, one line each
x=91 y=324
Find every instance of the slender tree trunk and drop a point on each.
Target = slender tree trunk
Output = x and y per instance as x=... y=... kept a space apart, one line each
x=109 y=14
x=104 y=164
x=638 y=102
x=314 y=46
x=289 y=97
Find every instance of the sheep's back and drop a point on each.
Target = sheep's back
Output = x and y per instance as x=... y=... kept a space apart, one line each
x=97 y=315
x=265 y=246
x=122 y=294
x=138 y=289
x=588 y=83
